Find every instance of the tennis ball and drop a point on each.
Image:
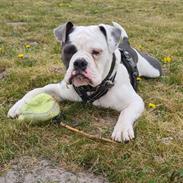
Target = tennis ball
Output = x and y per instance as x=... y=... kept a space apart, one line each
x=42 y=107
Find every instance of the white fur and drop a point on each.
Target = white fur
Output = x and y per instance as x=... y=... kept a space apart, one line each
x=95 y=76
x=145 y=68
x=121 y=97
x=84 y=38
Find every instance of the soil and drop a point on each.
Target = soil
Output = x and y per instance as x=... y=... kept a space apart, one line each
x=29 y=170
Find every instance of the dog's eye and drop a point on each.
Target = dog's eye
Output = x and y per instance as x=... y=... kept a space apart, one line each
x=96 y=52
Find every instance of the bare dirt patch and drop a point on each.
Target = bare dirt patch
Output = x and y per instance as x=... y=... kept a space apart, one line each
x=32 y=170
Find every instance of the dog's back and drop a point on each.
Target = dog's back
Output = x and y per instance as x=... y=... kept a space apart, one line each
x=147 y=65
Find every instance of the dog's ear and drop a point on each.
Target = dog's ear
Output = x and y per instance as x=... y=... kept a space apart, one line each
x=112 y=35
x=61 y=32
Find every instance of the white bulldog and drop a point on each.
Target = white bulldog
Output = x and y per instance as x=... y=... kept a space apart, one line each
x=101 y=69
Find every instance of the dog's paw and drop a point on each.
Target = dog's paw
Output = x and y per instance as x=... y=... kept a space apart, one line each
x=14 y=111
x=125 y=133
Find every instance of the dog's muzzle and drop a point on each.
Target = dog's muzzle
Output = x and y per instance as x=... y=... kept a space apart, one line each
x=79 y=74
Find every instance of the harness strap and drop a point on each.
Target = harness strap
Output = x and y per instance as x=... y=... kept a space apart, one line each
x=131 y=67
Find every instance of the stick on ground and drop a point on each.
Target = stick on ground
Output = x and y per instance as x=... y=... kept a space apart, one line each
x=86 y=134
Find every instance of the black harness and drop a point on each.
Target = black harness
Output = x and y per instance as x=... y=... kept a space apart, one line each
x=89 y=94
x=131 y=66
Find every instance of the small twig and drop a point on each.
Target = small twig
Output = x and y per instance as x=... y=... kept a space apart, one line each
x=86 y=134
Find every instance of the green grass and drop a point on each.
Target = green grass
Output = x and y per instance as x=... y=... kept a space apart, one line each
x=153 y=26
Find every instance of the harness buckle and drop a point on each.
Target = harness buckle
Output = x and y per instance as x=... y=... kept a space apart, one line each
x=109 y=84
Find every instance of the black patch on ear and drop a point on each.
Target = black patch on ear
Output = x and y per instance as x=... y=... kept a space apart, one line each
x=116 y=33
x=69 y=29
x=67 y=52
x=102 y=29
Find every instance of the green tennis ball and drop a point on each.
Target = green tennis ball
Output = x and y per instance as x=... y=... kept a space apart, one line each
x=42 y=107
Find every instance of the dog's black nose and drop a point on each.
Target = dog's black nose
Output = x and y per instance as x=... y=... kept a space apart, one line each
x=80 y=64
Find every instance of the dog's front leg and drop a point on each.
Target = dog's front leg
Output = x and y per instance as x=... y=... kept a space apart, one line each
x=123 y=129
x=59 y=91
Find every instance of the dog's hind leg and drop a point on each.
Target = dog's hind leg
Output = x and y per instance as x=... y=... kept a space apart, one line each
x=148 y=66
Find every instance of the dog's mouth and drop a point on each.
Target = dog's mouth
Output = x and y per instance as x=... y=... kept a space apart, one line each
x=79 y=79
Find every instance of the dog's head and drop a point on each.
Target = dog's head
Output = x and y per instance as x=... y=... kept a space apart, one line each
x=87 y=51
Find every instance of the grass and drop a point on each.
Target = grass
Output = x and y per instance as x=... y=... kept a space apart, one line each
x=156 y=155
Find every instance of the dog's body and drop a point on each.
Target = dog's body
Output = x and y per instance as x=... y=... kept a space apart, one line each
x=88 y=53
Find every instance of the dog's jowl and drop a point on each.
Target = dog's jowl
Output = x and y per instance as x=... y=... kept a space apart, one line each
x=101 y=68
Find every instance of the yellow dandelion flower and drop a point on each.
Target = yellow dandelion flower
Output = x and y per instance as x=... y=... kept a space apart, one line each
x=140 y=47
x=164 y=59
x=167 y=59
x=139 y=78
x=151 y=105
x=21 y=55
x=27 y=46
